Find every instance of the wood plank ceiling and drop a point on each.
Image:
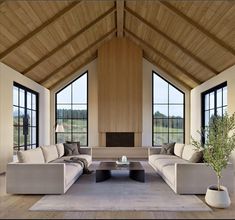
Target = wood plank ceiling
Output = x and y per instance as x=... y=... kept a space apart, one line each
x=49 y=40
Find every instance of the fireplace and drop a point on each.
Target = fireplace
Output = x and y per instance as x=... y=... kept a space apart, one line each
x=120 y=139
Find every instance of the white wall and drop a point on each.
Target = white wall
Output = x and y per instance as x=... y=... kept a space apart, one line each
x=147 y=102
x=227 y=75
x=93 y=135
x=7 y=77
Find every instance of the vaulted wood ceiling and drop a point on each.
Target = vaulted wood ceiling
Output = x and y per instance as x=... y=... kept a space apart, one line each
x=48 y=41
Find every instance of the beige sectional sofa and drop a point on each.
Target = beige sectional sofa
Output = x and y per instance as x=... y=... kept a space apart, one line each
x=43 y=171
x=183 y=176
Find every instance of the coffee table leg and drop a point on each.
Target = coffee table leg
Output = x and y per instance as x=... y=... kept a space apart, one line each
x=138 y=175
x=102 y=175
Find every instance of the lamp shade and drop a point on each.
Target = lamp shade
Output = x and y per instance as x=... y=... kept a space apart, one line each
x=59 y=128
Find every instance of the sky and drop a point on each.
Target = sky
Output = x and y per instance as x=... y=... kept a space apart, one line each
x=160 y=96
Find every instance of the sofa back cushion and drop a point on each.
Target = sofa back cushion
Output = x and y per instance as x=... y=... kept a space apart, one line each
x=188 y=152
x=197 y=157
x=178 y=149
x=49 y=152
x=31 y=156
x=60 y=150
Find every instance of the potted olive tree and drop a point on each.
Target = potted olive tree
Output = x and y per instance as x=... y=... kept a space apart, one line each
x=219 y=144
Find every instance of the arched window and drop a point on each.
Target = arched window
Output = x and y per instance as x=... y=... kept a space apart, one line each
x=168 y=112
x=71 y=111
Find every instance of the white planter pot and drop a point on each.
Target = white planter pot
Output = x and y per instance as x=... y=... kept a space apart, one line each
x=217 y=199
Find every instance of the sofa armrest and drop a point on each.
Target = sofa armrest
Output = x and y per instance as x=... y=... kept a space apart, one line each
x=86 y=150
x=26 y=178
x=153 y=150
x=194 y=178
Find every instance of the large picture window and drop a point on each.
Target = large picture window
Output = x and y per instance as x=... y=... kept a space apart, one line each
x=71 y=111
x=214 y=103
x=168 y=112
x=25 y=118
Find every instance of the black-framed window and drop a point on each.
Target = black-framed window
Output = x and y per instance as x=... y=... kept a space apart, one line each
x=72 y=111
x=168 y=112
x=25 y=117
x=214 y=103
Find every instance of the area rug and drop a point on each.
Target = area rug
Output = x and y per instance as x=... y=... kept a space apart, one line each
x=120 y=193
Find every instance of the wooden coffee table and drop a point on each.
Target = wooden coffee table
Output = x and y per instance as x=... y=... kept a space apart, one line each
x=135 y=169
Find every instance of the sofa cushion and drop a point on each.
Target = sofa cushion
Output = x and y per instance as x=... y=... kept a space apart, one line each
x=72 y=170
x=169 y=173
x=178 y=149
x=161 y=163
x=167 y=148
x=31 y=156
x=154 y=157
x=188 y=152
x=85 y=156
x=70 y=149
x=60 y=149
x=49 y=152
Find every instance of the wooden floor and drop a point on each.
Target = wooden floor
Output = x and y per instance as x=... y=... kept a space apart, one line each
x=17 y=206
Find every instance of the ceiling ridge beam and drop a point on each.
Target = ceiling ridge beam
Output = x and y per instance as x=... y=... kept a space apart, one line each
x=78 y=55
x=164 y=57
x=19 y=43
x=59 y=47
x=74 y=71
x=120 y=17
x=172 y=41
x=167 y=72
x=205 y=32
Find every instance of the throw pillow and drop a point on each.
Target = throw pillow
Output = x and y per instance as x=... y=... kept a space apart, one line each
x=75 y=142
x=167 y=148
x=197 y=157
x=70 y=149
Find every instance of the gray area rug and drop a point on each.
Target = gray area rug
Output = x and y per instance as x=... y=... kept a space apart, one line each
x=120 y=194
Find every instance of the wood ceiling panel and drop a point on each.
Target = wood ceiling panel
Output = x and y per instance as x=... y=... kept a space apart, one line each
x=185 y=34
x=87 y=50
x=85 y=58
x=51 y=37
x=170 y=70
x=157 y=60
x=192 y=40
x=161 y=45
x=79 y=44
x=22 y=17
x=66 y=72
x=216 y=16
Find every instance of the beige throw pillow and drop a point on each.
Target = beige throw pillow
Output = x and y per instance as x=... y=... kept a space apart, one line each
x=60 y=150
x=50 y=153
x=178 y=149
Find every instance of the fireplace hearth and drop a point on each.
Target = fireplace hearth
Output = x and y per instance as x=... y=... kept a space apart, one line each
x=120 y=139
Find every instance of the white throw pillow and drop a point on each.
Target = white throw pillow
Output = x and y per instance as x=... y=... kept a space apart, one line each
x=188 y=151
x=50 y=153
x=178 y=149
x=31 y=156
x=60 y=149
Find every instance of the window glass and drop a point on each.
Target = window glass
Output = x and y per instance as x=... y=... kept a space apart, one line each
x=168 y=112
x=216 y=99
x=71 y=111
x=25 y=114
